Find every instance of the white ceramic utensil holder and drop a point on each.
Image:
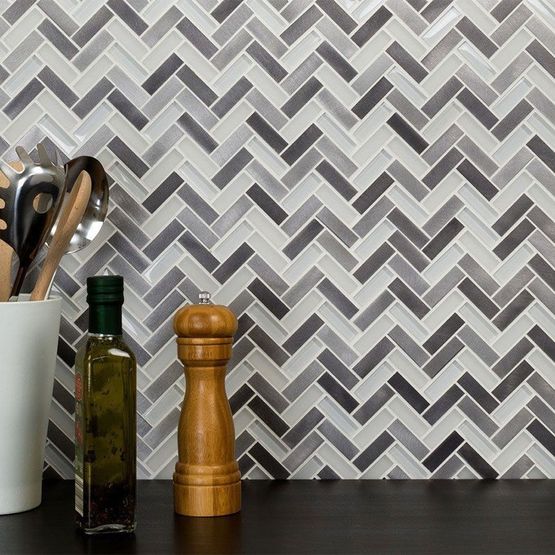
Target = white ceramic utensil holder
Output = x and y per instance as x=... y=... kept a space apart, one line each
x=28 y=344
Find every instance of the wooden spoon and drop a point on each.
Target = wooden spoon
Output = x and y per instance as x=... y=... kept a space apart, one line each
x=70 y=217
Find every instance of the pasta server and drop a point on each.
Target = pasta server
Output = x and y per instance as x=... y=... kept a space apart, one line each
x=29 y=206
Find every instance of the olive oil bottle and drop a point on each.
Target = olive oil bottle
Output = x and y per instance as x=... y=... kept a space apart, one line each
x=105 y=416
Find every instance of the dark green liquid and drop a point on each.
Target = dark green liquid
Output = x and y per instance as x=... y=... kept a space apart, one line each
x=105 y=435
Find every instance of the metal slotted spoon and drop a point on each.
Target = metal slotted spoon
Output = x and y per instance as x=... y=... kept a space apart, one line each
x=29 y=206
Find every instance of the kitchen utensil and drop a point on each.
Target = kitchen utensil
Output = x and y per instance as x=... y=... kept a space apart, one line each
x=97 y=208
x=5 y=271
x=6 y=252
x=70 y=217
x=207 y=480
x=30 y=205
x=28 y=343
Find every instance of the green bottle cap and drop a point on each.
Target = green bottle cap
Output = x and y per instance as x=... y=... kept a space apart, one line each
x=105 y=297
x=105 y=290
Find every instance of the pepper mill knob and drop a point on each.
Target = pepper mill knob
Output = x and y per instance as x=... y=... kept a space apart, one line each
x=206 y=481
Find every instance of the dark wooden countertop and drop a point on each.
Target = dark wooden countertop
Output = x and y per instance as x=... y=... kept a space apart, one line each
x=340 y=517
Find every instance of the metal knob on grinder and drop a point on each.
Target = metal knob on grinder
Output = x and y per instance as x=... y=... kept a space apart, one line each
x=207 y=481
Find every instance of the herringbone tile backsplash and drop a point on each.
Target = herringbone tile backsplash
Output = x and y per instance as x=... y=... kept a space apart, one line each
x=368 y=184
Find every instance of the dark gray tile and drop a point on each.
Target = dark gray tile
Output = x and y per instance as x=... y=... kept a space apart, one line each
x=512 y=214
x=408 y=298
x=443 y=333
x=92 y=26
x=160 y=75
x=477 y=179
x=445 y=237
x=373 y=451
x=336 y=180
x=128 y=15
x=409 y=346
x=443 y=168
x=235 y=261
x=407 y=133
x=410 y=230
x=333 y=364
x=442 y=451
x=478 y=392
x=543 y=341
x=196 y=37
x=338 y=392
x=337 y=298
x=371 y=359
x=163 y=239
x=340 y=17
x=372 y=25
x=301 y=97
x=513 y=357
x=434 y=412
x=339 y=440
x=444 y=95
x=374 y=403
x=93 y=98
x=434 y=9
x=409 y=251
x=128 y=157
x=232 y=168
x=127 y=109
x=407 y=62
x=266 y=132
x=542 y=56
x=267 y=62
x=302 y=239
x=22 y=99
x=408 y=392
x=373 y=263
x=194 y=82
x=516 y=307
x=443 y=357
x=512 y=381
x=476 y=37
x=481 y=112
x=197 y=133
x=479 y=275
x=336 y=61
x=224 y=9
x=301 y=25
x=514 y=239
x=163 y=192
x=542 y=150
x=230 y=99
x=478 y=298
x=368 y=197
x=512 y=120
x=478 y=463
x=198 y=251
x=303 y=427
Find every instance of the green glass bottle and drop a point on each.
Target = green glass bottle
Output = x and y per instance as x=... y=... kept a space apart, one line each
x=105 y=416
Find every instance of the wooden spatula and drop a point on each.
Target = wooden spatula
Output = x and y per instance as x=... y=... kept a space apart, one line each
x=70 y=217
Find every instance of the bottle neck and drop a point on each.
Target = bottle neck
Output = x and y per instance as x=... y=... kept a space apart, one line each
x=105 y=318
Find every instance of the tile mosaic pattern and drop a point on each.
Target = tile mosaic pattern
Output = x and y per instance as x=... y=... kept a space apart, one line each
x=369 y=184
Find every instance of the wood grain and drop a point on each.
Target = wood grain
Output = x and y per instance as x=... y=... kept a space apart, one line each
x=71 y=214
x=207 y=478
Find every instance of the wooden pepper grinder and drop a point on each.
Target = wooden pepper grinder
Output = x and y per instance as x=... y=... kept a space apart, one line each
x=207 y=481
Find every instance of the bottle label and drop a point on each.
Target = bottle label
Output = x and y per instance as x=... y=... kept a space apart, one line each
x=78 y=443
